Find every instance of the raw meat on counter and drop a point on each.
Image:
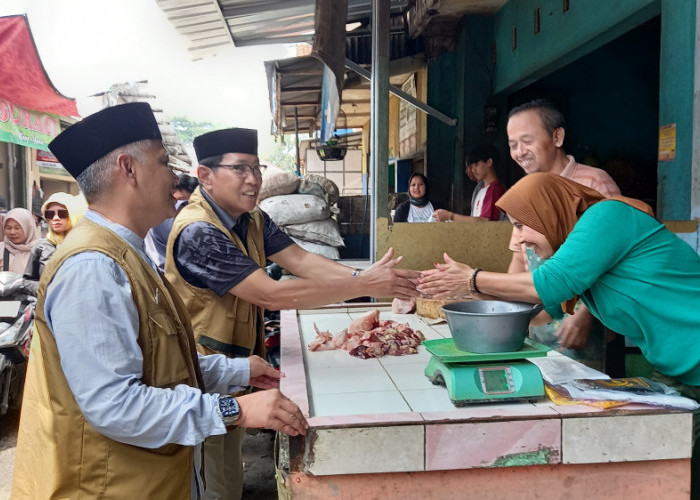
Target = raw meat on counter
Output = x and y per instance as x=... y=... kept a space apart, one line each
x=368 y=337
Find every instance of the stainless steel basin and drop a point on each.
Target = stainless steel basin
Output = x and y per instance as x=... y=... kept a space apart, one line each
x=484 y=326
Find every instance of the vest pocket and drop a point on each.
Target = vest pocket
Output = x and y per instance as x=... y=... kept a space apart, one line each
x=168 y=361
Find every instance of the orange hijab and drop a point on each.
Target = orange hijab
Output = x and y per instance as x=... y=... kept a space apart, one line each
x=552 y=205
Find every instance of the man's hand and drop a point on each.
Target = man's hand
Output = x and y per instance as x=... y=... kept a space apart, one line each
x=271 y=410
x=384 y=280
x=575 y=329
x=262 y=374
x=450 y=279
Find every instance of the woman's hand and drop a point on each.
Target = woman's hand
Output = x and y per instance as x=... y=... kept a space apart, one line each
x=450 y=279
x=442 y=215
x=575 y=329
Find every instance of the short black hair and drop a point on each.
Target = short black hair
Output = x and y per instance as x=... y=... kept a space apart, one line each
x=187 y=183
x=551 y=117
x=483 y=152
x=211 y=161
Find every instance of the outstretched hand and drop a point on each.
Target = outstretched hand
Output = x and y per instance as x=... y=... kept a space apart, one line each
x=271 y=410
x=383 y=279
x=446 y=280
x=262 y=374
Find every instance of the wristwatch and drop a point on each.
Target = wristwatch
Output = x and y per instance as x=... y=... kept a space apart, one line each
x=228 y=407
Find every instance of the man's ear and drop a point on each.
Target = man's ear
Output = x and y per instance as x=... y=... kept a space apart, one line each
x=125 y=166
x=558 y=137
x=205 y=175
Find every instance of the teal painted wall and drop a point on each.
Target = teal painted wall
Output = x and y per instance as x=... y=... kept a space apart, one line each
x=460 y=83
x=563 y=36
x=676 y=106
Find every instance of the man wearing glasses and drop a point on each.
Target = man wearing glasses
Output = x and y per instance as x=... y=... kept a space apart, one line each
x=216 y=257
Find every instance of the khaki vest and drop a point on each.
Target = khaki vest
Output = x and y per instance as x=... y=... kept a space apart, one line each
x=227 y=325
x=59 y=454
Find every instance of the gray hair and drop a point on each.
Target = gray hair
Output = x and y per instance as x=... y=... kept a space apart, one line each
x=97 y=178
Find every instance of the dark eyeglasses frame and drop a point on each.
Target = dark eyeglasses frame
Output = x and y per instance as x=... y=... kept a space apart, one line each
x=50 y=214
x=241 y=169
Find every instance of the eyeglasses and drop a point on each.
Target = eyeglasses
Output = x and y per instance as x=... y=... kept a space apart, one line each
x=241 y=169
x=50 y=214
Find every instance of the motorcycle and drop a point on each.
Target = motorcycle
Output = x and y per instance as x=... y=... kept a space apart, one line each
x=16 y=325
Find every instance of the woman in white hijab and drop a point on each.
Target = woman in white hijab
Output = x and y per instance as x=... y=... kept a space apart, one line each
x=20 y=233
x=61 y=211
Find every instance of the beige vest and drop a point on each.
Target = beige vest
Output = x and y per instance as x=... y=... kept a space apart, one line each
x=59 y=454
x=227 y=325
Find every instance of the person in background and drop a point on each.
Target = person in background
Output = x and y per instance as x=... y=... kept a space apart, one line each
x=62 y=211
x=157 y=236
x=185 y=186
x=536 y=132
x=633 y=274
x=418 y=208
x=3 y=211
x=482 y=161
x=20 y=234
x=116 y=397
x=217 y=252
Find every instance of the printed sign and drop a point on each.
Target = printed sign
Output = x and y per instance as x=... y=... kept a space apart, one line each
x=27 y=127
x=667 y=142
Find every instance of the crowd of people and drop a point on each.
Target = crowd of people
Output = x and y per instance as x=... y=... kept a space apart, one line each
x=149 y=321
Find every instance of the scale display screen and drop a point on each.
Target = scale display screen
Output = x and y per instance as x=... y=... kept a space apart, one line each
x=497 y=380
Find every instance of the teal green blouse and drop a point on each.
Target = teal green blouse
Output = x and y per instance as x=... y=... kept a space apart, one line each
x=638 y=278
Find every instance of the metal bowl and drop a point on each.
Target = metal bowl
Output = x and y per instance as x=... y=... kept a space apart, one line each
x=484 y=326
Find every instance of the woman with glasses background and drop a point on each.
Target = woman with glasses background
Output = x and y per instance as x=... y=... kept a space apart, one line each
x=61 y=212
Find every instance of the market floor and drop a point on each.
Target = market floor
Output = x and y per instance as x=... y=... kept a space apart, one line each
x=257 y=455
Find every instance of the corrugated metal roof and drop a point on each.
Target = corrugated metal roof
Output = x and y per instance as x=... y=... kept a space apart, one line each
x=211 y=24
x=296 y=83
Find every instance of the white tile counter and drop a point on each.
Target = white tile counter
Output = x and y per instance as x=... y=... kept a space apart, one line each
x=382 y=419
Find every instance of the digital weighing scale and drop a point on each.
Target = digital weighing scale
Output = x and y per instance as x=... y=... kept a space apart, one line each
x=485 y=378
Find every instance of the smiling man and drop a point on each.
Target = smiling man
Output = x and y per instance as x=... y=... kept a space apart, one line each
x=536 y=132
x=216 y=257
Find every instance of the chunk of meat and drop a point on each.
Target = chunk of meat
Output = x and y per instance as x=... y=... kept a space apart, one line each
x=378 y=338
x=363 y=323
x=322 y=342
x=403 y=306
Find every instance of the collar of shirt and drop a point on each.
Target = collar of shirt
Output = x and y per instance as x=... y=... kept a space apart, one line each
x=133 y=239
x=228 y=221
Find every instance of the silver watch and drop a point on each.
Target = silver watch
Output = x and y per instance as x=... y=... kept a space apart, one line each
x=229 y=409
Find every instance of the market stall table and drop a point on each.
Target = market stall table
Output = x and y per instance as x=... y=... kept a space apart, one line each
x=380 y=429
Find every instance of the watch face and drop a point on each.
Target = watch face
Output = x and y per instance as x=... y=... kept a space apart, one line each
x=228 y=406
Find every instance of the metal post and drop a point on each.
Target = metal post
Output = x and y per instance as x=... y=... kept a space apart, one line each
x=379 y=119
x=296 y=135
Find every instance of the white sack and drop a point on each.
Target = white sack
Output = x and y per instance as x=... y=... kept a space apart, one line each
x=318 y=231
x=295 y=208
x=277 y=182
x=320 y=249
x=319 y=186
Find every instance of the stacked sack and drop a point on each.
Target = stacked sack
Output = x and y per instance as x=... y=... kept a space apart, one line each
x=303 y=208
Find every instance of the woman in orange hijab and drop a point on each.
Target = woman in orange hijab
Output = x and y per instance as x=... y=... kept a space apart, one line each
x=631 y=272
